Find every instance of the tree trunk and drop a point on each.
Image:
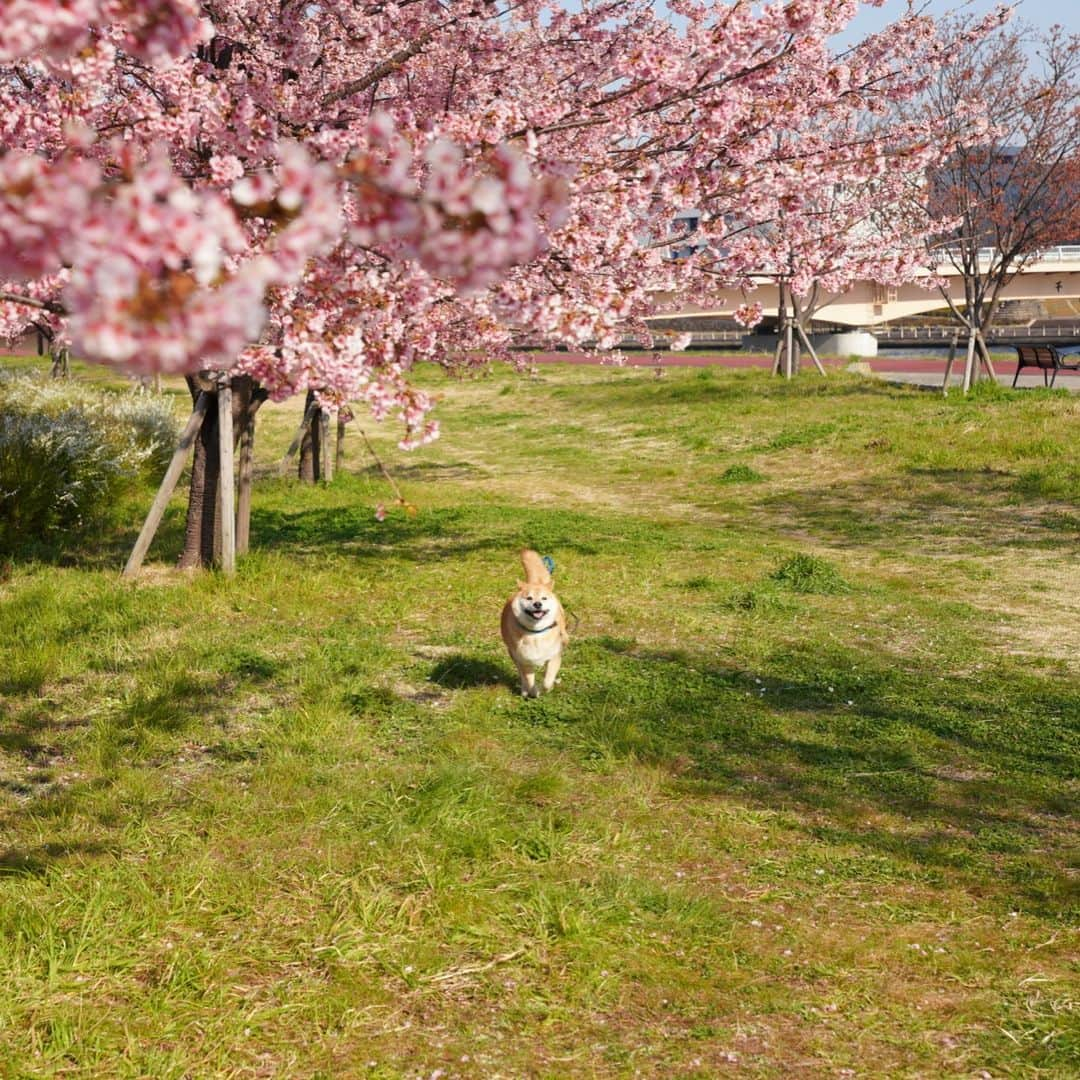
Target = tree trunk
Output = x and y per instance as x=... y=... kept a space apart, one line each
x=311 y=449
x=202 y=532
x=203 y=525
x=61 y=367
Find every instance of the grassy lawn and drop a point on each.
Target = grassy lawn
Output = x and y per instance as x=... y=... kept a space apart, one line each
x=803 y=804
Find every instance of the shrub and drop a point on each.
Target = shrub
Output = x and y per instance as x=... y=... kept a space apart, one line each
x=67 y=452
x=144 y=422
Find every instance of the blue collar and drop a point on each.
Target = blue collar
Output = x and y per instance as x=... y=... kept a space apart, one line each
x=537 y=630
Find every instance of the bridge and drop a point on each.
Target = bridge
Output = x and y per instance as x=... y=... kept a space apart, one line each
x=1054 y=274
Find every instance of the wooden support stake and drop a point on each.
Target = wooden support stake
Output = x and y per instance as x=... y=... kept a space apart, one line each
x=309 y=412
x=226 y=487
x=168 y=486
x=324 y=443
x=243 y=493
x=949 y=366
x=781 y=328
x=809 y=348
x=984 y=353
x=789 y=349
x=969 y=362
x=339 y=452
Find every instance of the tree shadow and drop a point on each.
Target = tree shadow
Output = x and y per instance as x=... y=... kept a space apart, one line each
x=440 y=535
x=431 y=471
x=37 y=861
x=105 y=545
x=938 y=509
x=462 y=671
x=945 y=776
x=730 y=386
x=38 y=739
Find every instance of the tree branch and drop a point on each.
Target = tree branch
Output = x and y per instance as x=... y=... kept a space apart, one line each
x=29 y=301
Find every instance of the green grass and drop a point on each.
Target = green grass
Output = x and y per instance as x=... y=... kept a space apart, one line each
x=803 y=803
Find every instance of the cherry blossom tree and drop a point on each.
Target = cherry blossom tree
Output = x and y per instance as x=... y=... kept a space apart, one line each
x=1013 y=189
x=297 y=196
x=843 y=196
x=174 y=204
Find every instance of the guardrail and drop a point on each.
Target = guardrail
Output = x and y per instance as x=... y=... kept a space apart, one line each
x=938 y=333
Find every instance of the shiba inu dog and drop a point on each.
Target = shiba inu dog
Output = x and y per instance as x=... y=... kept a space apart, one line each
x=534 y=626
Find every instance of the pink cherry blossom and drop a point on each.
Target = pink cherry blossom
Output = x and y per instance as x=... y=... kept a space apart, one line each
x=325 y=202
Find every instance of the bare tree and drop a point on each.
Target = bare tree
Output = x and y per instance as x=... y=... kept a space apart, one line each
x=1013 y=191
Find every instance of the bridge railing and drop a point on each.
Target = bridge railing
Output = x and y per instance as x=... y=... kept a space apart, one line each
x=937 y=335
x=698 y=338
x=1060 y=253
x=705 y=338
x=940 y=333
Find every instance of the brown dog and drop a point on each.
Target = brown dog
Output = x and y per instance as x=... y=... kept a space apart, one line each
x=534 y=626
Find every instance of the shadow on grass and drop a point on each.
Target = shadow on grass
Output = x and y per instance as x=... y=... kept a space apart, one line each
x=36 y=861
x=461 y=671
x=430 y=471
x=445 y=534
x=937 y=508
x=732 y=386
x=965 y=777
x=106 y=546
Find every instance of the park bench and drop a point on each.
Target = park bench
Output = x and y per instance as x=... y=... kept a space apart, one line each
x=1048 y=358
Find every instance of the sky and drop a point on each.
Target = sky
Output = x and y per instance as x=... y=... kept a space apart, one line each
x=1042 y=14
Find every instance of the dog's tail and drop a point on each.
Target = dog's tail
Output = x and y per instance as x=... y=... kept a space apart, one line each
x=536 y=572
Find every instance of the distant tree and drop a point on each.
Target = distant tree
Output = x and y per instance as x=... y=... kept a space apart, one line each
x=844 y=194
x=1005 y=195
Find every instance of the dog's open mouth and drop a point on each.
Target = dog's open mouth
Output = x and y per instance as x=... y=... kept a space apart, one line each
x=536 y=614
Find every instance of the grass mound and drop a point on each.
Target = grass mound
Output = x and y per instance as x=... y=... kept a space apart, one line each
x=740 y=474
x=804 y=573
